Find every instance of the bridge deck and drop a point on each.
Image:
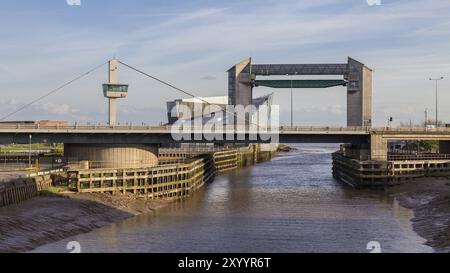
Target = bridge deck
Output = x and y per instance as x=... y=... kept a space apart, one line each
x=18 y=133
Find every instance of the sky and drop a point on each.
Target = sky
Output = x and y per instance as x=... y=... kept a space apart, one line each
x=45 y=43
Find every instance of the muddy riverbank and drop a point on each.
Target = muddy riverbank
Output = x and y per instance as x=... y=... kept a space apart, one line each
x=290 y=204
x=51 y=218
x=429 y=198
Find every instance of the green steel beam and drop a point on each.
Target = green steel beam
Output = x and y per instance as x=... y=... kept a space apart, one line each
x=300 y=83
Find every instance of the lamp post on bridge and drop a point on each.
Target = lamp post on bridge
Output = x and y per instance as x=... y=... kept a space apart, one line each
x=436 y=82
x=29 y=152
x=292 y=99
x=292 y=102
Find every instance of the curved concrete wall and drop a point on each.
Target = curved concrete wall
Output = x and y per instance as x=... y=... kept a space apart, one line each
x=113 y=155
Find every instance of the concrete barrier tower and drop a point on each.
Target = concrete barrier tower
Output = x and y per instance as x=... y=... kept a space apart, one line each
x=242 y=78
x=240 y=89
x=359 y=94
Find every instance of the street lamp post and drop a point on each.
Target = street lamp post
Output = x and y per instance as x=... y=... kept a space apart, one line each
x=292 y=102
x=436 y=82
x=292 y=99
x=29 y=152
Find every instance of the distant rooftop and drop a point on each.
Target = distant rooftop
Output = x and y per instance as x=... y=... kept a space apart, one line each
x=37 y=122
x=211 y=100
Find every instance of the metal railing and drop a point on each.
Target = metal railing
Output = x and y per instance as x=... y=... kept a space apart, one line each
x=164 y=151
x=168 y=128
x=410 y=129
x=11 y=167
x=81 y=127
x=128 y=164
x=418 y=157
x=323 y=128
x=55 y=171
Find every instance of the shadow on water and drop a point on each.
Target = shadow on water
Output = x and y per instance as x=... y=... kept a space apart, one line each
x=290 y=204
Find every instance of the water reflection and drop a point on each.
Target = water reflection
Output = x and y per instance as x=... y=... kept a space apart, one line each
x=291 y=204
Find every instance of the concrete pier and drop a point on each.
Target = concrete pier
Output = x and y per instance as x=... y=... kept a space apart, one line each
x=372 y=165
x=169 y=180
x=113 y=155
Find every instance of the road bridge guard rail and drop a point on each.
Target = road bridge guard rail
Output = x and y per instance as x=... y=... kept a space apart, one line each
x=165 y=128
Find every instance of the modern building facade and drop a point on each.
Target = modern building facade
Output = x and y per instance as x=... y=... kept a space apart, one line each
x=215 y=109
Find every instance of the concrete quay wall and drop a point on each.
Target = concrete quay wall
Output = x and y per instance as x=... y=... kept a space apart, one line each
x=375 y=173
x=168 y=181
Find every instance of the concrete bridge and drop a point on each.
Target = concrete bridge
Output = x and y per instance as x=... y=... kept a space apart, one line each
x=133 y=134
x=139 y=144
x=374 y=139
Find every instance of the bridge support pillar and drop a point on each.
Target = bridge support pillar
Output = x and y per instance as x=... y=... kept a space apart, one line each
x=378 y=148
x=240 y=89
x=112 y=109
x=120 y=156
x=359 y=94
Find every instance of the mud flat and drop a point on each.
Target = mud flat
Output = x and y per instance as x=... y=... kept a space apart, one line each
x=283 y=148
x=51 y=218
x=429 y=198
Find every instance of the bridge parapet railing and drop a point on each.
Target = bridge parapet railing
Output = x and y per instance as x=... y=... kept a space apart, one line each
x=168 y=128
x=83 y=127
x=397 y=157
x=163 y=151
x=323 y=128
x=146 y=127
x=411 y=129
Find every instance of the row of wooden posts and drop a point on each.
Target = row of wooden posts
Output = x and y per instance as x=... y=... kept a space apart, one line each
x=22 y=189
x=19 y=190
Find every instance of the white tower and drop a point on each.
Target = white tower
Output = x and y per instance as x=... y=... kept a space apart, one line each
x=113 y=90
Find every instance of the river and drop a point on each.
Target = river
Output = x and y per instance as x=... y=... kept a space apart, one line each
x=290 y=204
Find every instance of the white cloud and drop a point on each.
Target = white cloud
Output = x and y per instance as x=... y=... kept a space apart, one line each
x=52 y=108
x=405 y=43
x=208 y=78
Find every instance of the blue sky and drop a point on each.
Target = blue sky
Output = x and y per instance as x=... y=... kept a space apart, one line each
x=192 y=43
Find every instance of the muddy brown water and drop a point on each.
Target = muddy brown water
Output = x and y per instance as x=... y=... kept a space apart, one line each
x=290 y=204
